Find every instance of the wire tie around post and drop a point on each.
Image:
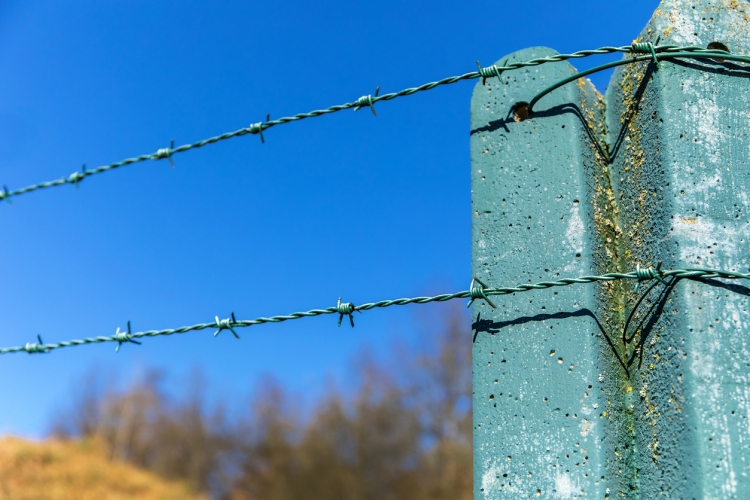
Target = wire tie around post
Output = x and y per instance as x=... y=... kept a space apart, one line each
x=5 y=195
x=226 y=324
x=165 y=153
x=476 y=290
x=346 y=309
x=77 y=177
x=33 y=347
x=647 y=274
x=367 y=100
x=490 y=71
x=645 y=48
x=122 y=337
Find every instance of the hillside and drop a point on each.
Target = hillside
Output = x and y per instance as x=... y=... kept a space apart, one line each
x=62 y=470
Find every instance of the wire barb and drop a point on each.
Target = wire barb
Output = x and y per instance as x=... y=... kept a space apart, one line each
x=257 y=128
x=5 y=195
x=346 y=309
x=645 y=48
x=477 y=292
x=490 y=71
x=165 y=153
x=77 y=177
x=226 y=324
x=122 y=337
x=367 y=100
x=648 y=274
x=34 y=347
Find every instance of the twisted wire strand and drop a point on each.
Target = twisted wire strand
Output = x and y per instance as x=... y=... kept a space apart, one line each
x=348 y=308
x=258 y=128
x=666 y=55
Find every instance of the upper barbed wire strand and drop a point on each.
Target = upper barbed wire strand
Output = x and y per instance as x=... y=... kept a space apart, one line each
x=641 y=275
x=258 y=128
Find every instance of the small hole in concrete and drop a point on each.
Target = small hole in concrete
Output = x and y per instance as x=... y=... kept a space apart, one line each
x=718 y=46
x=521 y=111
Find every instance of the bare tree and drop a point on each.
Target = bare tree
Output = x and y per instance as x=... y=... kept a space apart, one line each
x=405 y=435
x=141 y=425
x=403 y=430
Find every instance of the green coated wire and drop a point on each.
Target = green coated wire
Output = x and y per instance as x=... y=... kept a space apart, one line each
x=257 y=128
x=696 y=54
x=477 y=291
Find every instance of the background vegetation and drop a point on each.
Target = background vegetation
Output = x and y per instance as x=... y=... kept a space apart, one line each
x=400 y=430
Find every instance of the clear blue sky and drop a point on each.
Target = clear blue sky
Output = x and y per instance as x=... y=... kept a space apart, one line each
x=347 y=205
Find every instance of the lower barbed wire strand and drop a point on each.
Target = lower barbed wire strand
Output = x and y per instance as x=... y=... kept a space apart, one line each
x=688 y=273
x=254 y=128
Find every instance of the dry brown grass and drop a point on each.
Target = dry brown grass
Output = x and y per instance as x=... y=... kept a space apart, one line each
x=80 y=470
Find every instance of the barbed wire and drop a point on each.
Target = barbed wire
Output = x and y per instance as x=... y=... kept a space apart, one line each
x=715 y=55
x=477 y=291
x=493 y=71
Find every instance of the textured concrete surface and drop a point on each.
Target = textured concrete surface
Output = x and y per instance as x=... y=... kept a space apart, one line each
x=679 y=141
x=563 y=407
x=537 y=402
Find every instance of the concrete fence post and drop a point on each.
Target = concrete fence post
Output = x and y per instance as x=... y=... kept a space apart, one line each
x=680 y=174
x=536 y=394
x=658 y=171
